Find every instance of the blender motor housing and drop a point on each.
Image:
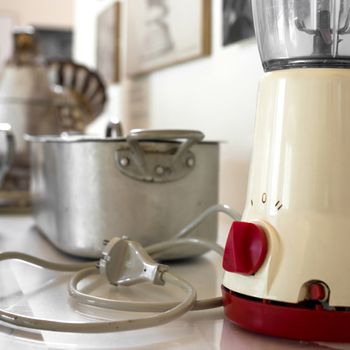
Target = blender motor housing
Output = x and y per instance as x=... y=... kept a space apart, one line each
x=287 y=263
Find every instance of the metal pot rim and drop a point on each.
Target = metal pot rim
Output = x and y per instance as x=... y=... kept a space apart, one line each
x=79 y=138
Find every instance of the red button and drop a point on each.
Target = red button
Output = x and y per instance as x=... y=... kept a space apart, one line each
x=246 y=248
x=317 y=291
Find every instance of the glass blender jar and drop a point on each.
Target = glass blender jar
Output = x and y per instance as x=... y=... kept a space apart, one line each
x=287 y=262
x=307 y=33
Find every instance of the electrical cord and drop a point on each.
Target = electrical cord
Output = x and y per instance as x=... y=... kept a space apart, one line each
x=110 y=326
x=124 y=262
x=218 y=208
x=44 y=263
x=142 y=306
x=134 y=306
x=157 y=250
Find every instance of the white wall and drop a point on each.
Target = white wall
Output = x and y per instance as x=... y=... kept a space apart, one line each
x=51 y=13
x=45 y=13
x=215 y=94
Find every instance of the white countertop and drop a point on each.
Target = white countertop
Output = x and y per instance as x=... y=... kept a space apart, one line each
x=42 y=293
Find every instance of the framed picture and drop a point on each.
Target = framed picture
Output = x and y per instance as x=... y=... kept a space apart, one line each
x=108 y=43
x=237 y=21
x=54 y=43
x=161 y=33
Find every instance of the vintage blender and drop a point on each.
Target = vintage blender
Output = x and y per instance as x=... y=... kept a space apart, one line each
x=287 y=263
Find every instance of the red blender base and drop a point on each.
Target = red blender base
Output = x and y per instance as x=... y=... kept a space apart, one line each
x=287 y=320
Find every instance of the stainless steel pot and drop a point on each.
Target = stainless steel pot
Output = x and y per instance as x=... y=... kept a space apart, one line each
x=146 y=186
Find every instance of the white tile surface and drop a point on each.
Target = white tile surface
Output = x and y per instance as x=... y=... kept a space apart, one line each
x=42 y=293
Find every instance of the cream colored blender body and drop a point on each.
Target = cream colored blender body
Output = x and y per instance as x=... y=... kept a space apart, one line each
x=288 y=263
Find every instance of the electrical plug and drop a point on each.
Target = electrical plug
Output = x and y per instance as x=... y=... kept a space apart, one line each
x=125 y=262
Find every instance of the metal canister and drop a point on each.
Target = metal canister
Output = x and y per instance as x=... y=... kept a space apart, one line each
x=26 y=104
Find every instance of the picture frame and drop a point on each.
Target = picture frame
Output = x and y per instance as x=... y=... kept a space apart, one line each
x=54 y=43
x=163 y=33
x=237 y=21
x=108 y=43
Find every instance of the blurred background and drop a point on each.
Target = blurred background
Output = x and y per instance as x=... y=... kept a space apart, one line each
x=165 y=63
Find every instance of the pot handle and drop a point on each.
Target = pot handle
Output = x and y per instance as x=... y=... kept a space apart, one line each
x=7 y=160
x=191 y=136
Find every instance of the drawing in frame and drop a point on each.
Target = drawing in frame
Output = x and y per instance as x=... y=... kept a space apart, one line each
x=108 y=43
x=161 y=33
x=237 y=21
x=54 y=43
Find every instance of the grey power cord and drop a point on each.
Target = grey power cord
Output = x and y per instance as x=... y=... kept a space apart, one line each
x=120 y=249
x=219 y=208
x=141 y=271
x=44 y=263
x=124 y=262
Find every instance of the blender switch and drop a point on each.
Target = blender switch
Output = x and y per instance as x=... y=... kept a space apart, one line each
x=245 y=249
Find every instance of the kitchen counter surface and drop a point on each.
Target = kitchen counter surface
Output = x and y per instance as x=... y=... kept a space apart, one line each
x=42 y=293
